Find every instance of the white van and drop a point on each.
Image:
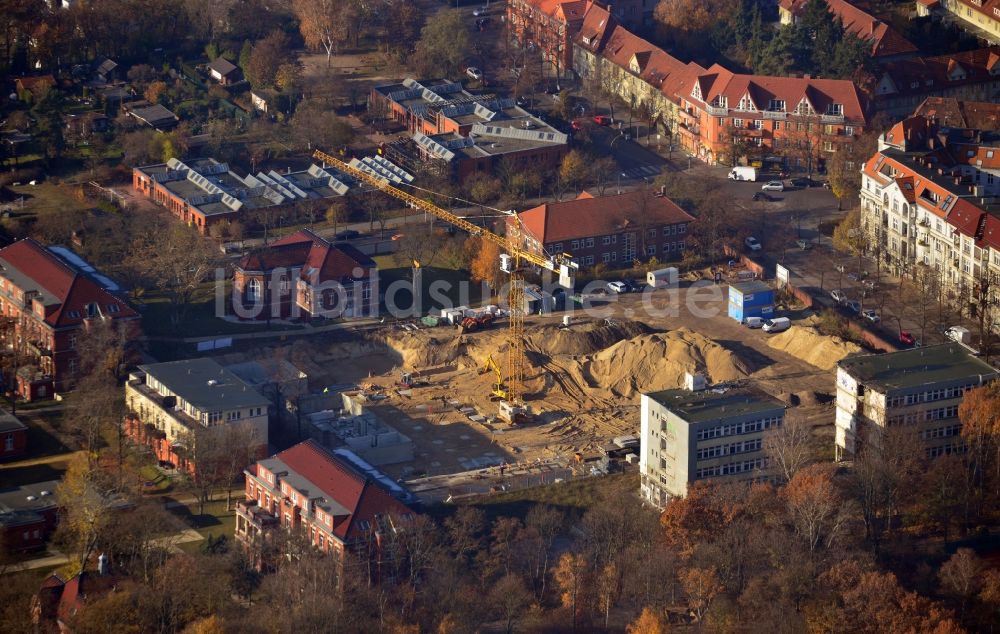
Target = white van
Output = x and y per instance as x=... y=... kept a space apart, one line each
x=743 y=174
x=778 y=324
x=959 y=334
x=753 y=322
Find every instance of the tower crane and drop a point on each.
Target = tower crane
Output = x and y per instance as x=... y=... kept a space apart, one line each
x=514 y=260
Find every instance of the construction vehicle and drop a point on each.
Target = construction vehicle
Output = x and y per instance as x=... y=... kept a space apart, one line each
x=472 y=324
x=513 y=262
x=499 y=391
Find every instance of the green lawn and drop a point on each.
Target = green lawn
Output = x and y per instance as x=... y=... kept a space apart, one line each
x=215 y=521
x=199 y=319
x=574 y=496
x=451 y=283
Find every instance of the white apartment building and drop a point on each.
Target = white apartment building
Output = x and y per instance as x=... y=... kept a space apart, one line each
x=930 y=197
x=689 y=435
x=172 y=403
x=918 y=389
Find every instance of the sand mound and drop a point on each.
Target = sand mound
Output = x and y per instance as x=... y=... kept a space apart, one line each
x=581 y=338
x=658 y=361
x=813 y=347
x=420 y=350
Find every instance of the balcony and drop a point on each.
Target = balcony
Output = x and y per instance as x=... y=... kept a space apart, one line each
x=831 y=118
x=38 y=349
x=774 y=114
x=716 y=111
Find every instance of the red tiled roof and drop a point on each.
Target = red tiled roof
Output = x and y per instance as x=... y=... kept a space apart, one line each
x=72 y=289
x=948 y=111
x=597 y=25
x=587 y=216
x=885 y=40
x=934 y=74
x=362 y=497
x=820 y=93
x=306 y=250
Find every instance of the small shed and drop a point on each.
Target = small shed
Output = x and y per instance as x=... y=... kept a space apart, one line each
x=223 y=71
x=750 y=299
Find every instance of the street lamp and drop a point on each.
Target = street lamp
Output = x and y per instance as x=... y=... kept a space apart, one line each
x=620 y=174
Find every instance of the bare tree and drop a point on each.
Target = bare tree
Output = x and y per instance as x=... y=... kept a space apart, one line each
x=791 y=446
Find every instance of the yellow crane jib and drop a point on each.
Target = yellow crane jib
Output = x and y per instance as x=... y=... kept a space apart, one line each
x=511 y=263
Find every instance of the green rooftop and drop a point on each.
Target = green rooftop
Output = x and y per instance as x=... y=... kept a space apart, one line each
x=917 y=366
x=715 y=404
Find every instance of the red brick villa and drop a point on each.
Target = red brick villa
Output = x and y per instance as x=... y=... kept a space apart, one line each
x=50 y=297
x=335 y=499
x=303 y=276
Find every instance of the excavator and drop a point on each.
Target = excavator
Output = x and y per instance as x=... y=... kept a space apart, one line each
x=515 y=262
x=499 y=391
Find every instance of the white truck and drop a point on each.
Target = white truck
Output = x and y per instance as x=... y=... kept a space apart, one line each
x=662 y=278
x=960 y=334
x=743 y=174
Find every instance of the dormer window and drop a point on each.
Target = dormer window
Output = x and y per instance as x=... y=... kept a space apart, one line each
x=93 y=310
x=804 y=108
x=112 y=308
x=836 y=108
x=74 y=314
x=777 y=105
x=746 y=103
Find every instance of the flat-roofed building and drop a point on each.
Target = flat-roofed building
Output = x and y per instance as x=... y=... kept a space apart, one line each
x=918 y=389
x=689 y=435
x=173 y=405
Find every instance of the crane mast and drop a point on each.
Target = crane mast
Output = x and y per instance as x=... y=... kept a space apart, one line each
x=511 y=262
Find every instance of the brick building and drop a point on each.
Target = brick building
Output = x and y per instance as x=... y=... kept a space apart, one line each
x=185 y=409
x=614 y=230
x=304 y=276
x=13 y=437
x=459 y=133
x=724 y=113
x=204 y=192
x=28 y=515
x=714 y=113
x=50 y=299
x=341 y=504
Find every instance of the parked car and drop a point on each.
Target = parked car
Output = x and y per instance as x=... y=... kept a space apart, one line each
x=632 y=286
x=752 y=243
x=617 y=287
x=474 y=72
x=753 y=322
x=871 y=315
x=906 y=338
x=348 y=234
x=762 y=196
x=773 y=186
x=602 y=119
x=801 y=182
x=480 y=11
x=805 y=245
x=853 y=305
x=838 y=295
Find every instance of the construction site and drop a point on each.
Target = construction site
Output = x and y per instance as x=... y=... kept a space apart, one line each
x=476 y=400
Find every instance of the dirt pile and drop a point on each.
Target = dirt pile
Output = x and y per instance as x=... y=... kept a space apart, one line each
x=813 y=347
x=657 y=361
x=424 y=350
x=581 y=338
